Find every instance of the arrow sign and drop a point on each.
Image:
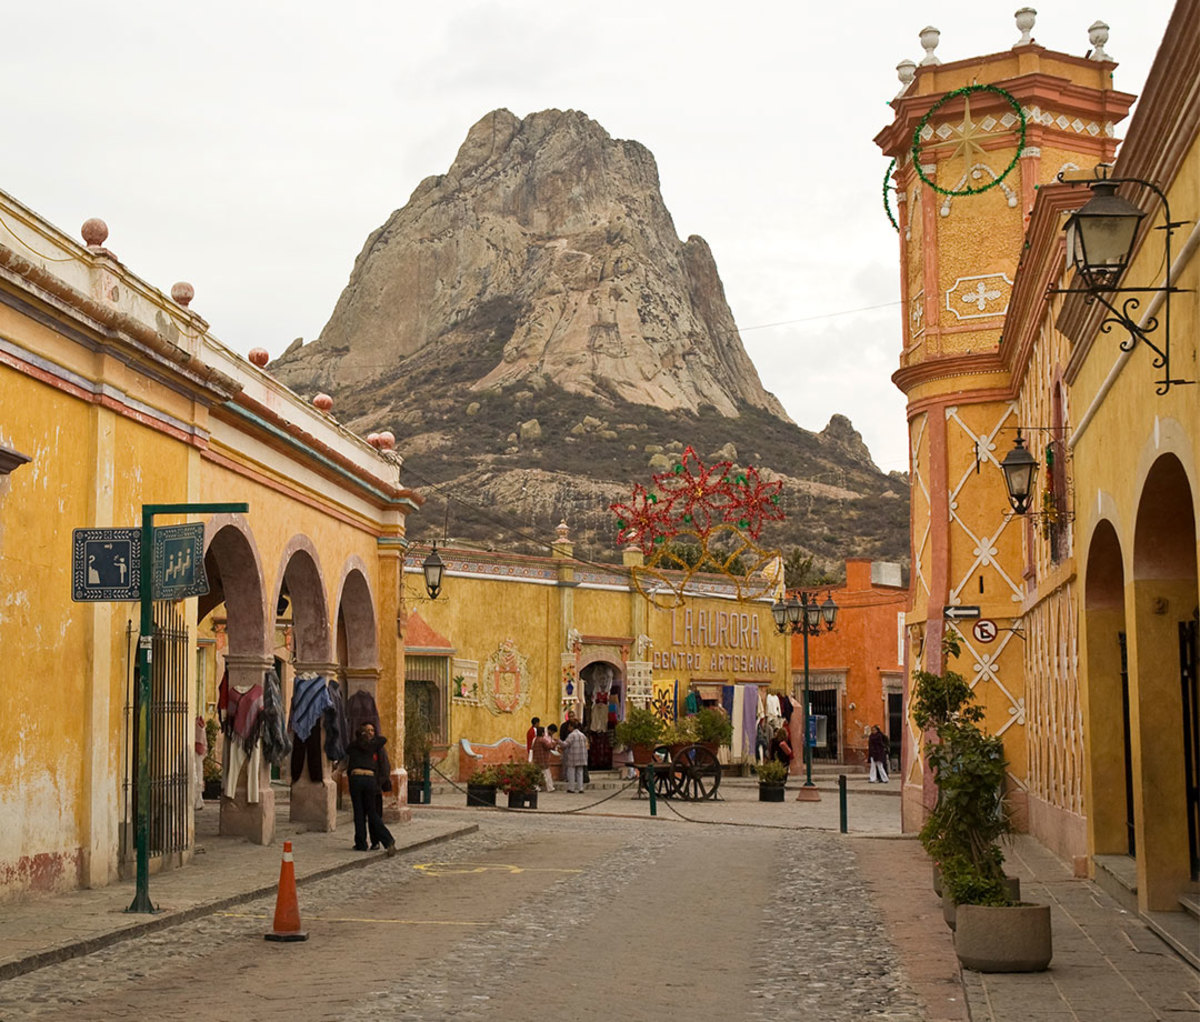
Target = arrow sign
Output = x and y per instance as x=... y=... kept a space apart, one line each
x=955 y=613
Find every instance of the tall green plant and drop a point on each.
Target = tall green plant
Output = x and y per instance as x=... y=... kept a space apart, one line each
x=963 y=831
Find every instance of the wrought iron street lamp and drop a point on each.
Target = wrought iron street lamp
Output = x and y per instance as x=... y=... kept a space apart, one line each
x=1020 y=469
x=1100 y=238
x=803 y=615
x=432 y=569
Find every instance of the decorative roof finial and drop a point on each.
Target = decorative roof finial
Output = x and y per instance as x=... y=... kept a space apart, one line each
x=95 y=232
x=1025 y=16
x=929 y=39
x=1098 y=36
x=906 y=70
x=561 y=532
x=182 y=293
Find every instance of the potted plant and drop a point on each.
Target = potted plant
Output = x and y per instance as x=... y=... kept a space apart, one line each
x=642 y=732
x=481 y=786
x=212 y=764
x=713 y=728
x=418 y=741
x=994 y=931
x=683 y=732
x=521 y=781
x=772 y=780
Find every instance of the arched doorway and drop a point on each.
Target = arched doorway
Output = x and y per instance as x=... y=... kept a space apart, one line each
x=603 y=688
x=236 y=604
x=1110 y=762
x=1163 y=686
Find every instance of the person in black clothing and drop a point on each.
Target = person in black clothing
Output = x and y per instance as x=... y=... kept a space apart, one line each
x=362 y=765
x=781 y=748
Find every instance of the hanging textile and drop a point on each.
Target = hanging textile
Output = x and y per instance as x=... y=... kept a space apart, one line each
x=276 y=744
x=727 y=700
x=337 y=725
x=310 y=698
x=664 y=699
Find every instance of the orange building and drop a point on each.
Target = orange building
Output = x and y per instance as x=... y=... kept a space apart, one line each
x=856 y=672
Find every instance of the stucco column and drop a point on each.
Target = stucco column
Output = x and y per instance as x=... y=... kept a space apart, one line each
x=314 y=803
x=388 y=682
x=239 y=816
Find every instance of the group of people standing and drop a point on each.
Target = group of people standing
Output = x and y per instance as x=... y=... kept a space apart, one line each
x=569 y=744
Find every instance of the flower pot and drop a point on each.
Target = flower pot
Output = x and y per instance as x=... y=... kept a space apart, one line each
x=771 y=792
x=1012 y=938
x=949 y=909
x=480 y=795
x=642 y=754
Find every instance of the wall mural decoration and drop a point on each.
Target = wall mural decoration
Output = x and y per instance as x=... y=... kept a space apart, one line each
x=505 y=680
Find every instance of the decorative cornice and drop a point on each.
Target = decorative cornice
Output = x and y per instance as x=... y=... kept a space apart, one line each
x=907 y=378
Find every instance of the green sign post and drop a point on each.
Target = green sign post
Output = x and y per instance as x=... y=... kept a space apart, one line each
x=141 y=713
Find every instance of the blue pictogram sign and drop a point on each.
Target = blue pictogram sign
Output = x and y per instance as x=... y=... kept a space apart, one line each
x=106 y=565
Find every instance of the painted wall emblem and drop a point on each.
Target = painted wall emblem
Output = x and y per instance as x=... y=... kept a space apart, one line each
x=506 y=679
x=980 y=297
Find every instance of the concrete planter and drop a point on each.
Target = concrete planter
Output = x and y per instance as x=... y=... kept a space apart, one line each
x=771 y=792
x=949 y=905
x=1014 y=938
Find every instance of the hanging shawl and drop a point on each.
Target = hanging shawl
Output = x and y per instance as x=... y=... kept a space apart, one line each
x=337 y=725
x=276 y=744
x=309 y=700
x=361 y=709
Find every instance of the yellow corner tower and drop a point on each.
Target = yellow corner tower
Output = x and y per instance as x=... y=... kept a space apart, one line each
x=971 y=142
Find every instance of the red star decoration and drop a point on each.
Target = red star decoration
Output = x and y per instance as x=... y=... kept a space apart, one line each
x=643 y=520
x=755 y=502
x=698 y=495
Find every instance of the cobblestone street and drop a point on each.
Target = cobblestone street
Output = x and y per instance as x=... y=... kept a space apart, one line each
x=595 y=916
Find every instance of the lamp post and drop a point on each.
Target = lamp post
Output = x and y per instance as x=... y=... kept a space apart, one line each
x=805 y=616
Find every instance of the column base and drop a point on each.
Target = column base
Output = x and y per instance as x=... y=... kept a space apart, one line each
x=314 y=803
x=254 y=821
x=808 y=793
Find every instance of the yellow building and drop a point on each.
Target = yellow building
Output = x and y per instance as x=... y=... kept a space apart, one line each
x=114 y=395
x=1094 y=688
x=513 y=637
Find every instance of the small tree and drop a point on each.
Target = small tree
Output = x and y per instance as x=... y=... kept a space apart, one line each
x=963 y=831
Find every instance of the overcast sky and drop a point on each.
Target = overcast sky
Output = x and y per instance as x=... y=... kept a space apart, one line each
x=249 y=148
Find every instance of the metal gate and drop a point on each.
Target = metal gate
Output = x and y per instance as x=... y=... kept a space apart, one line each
x=170 y=753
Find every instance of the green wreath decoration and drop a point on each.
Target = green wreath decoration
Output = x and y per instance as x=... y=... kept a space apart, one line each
x=887 y=205
x=966 y=90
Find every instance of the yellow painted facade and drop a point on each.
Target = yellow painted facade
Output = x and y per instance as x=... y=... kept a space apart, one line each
x=114 y=395
x=564 y=619
x=1095 y=689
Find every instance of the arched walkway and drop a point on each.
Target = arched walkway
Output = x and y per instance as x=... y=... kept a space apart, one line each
x=1162 y=605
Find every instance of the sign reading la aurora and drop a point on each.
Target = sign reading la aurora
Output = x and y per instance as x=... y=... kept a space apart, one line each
x=715 y=640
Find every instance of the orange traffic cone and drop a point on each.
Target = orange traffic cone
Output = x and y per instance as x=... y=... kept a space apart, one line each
x=287 y=907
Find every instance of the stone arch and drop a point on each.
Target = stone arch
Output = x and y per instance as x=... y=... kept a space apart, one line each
x=1161 y=604
x=357 y=628
x=303 y=583
x=1110 y=816
x=235 y=574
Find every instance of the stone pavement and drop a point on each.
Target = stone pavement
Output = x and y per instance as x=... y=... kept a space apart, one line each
x=1107 y=963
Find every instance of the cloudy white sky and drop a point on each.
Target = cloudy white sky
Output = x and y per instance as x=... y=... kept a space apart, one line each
x=250 y=147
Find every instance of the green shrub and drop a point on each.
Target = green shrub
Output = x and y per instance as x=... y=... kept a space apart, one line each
x=772 y=772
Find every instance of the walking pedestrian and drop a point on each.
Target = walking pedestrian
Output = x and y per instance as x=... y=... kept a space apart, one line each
x=575 y=750
x=362 y=768
x=877 y=753
x=543 y=751
x=530 y=735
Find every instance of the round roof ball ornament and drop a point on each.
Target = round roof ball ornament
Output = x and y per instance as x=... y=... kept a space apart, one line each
x=322 y=403
x=94 y=231
x=373 y=439
x=182 y=293
x=259 y=357
x=387 y=440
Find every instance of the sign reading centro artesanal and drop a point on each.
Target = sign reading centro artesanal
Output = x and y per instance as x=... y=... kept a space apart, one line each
x=726 y=641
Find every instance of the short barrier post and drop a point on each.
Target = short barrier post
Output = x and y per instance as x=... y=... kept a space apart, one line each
x=842 y=803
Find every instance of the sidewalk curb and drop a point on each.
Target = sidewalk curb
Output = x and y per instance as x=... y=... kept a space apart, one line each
x=168 y=917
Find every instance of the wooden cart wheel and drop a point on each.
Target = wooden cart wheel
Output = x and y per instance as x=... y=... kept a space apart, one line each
x=664 y=780
x=696 y=774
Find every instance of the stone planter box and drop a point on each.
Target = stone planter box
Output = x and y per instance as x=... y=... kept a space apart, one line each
x=950 y=906
x=771 y=792
x=1014 y=938
x=480 y=795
